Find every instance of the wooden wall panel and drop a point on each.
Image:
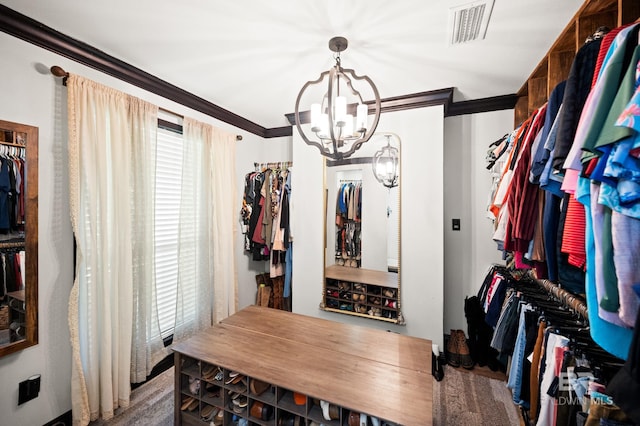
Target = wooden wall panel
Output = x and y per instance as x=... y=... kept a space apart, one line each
x=559 y=67
x=587 y=25
x=628 y=11
x=537 y=93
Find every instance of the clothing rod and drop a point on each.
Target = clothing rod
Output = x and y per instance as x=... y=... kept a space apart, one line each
x=569 y=299
x=12 y=245
x=61 y=73
x=275 y=164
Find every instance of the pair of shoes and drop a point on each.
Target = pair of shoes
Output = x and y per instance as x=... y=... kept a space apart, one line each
x=212 y=391
x=239 y=403
x=208 y=413
x=234 y=378
x=457 y=352
x=359 y=297
x=390 y=304
x=189 y=403
x=361 y=309
x=389 y=292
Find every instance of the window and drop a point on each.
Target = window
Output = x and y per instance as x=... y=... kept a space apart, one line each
x=167 y=202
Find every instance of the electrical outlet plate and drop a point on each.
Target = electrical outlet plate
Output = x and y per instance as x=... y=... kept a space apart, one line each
x=28 y=389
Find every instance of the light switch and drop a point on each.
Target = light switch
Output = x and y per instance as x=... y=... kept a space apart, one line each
x=455 y=224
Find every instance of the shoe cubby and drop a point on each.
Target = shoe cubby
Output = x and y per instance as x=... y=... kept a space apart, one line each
x=362 y=299
x=287 y=401
x=213 y=395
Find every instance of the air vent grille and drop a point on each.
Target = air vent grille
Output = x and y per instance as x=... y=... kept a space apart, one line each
x=469 y=22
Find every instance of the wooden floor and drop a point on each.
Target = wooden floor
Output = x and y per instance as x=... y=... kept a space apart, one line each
x=383 y=374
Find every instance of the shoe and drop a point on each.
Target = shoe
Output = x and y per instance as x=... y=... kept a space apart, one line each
x=208 y=412
x=186 y=402
x=463 y=350
x=437 y=371
x=213 y=391
x=452 y=354
x=218 y=418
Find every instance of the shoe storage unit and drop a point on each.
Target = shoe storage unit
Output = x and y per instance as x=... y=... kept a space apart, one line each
x=362 y=292
x=273 y=367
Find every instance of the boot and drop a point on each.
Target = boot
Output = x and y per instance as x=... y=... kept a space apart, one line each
x=278 y=290
x=266 y=294
x=437 y=371
x=259 y=295
x=452 y=354
x=463 y=350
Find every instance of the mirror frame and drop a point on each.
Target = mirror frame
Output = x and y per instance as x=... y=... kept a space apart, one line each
x=367 y=168
x=31 y=237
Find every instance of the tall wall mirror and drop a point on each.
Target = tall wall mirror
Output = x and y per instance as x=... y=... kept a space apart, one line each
x=362 y=234
x=18 y=236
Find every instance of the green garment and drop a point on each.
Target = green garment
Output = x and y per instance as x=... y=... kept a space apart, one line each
x=611 y=77
x=610 y=132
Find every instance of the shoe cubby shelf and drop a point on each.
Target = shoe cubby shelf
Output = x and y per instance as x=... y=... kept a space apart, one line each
x=299 y=370
x=362 y=292
x=213 y=395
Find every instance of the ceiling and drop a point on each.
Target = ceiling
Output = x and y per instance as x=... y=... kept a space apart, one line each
x=252 y=57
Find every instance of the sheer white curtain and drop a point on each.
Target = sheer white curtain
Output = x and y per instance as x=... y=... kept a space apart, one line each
x=111 y=135
x=225 y=224
x=206 y=266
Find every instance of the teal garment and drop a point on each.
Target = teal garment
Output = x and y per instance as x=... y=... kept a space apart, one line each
x=612 y=338
x=610 y=301
x=611 y=133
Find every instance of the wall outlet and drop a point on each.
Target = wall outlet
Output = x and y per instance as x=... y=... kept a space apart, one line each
x=28 y=389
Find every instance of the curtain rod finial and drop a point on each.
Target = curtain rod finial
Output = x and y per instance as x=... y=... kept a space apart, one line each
x=58 y=71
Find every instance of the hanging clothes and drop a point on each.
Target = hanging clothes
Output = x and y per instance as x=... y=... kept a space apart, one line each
x=348 y=248
x=585 y=154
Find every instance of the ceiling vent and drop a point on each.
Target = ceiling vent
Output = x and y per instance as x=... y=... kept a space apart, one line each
x=469 y=22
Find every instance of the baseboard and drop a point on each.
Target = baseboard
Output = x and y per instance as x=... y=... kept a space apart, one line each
x=62 y=420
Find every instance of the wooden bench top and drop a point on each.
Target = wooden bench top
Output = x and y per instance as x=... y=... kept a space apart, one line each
x=386 y=347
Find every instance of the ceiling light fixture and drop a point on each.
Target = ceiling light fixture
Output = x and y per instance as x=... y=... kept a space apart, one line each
x=336 y=95
x=386 y=163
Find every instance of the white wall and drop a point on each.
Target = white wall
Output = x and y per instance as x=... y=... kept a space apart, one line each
x=468 y=253
x=422 y=261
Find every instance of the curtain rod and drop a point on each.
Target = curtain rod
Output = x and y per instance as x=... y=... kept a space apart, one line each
x=61 y=73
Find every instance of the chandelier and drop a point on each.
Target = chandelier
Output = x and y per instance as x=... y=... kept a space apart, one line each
x=335 y=130
x=386 y=162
